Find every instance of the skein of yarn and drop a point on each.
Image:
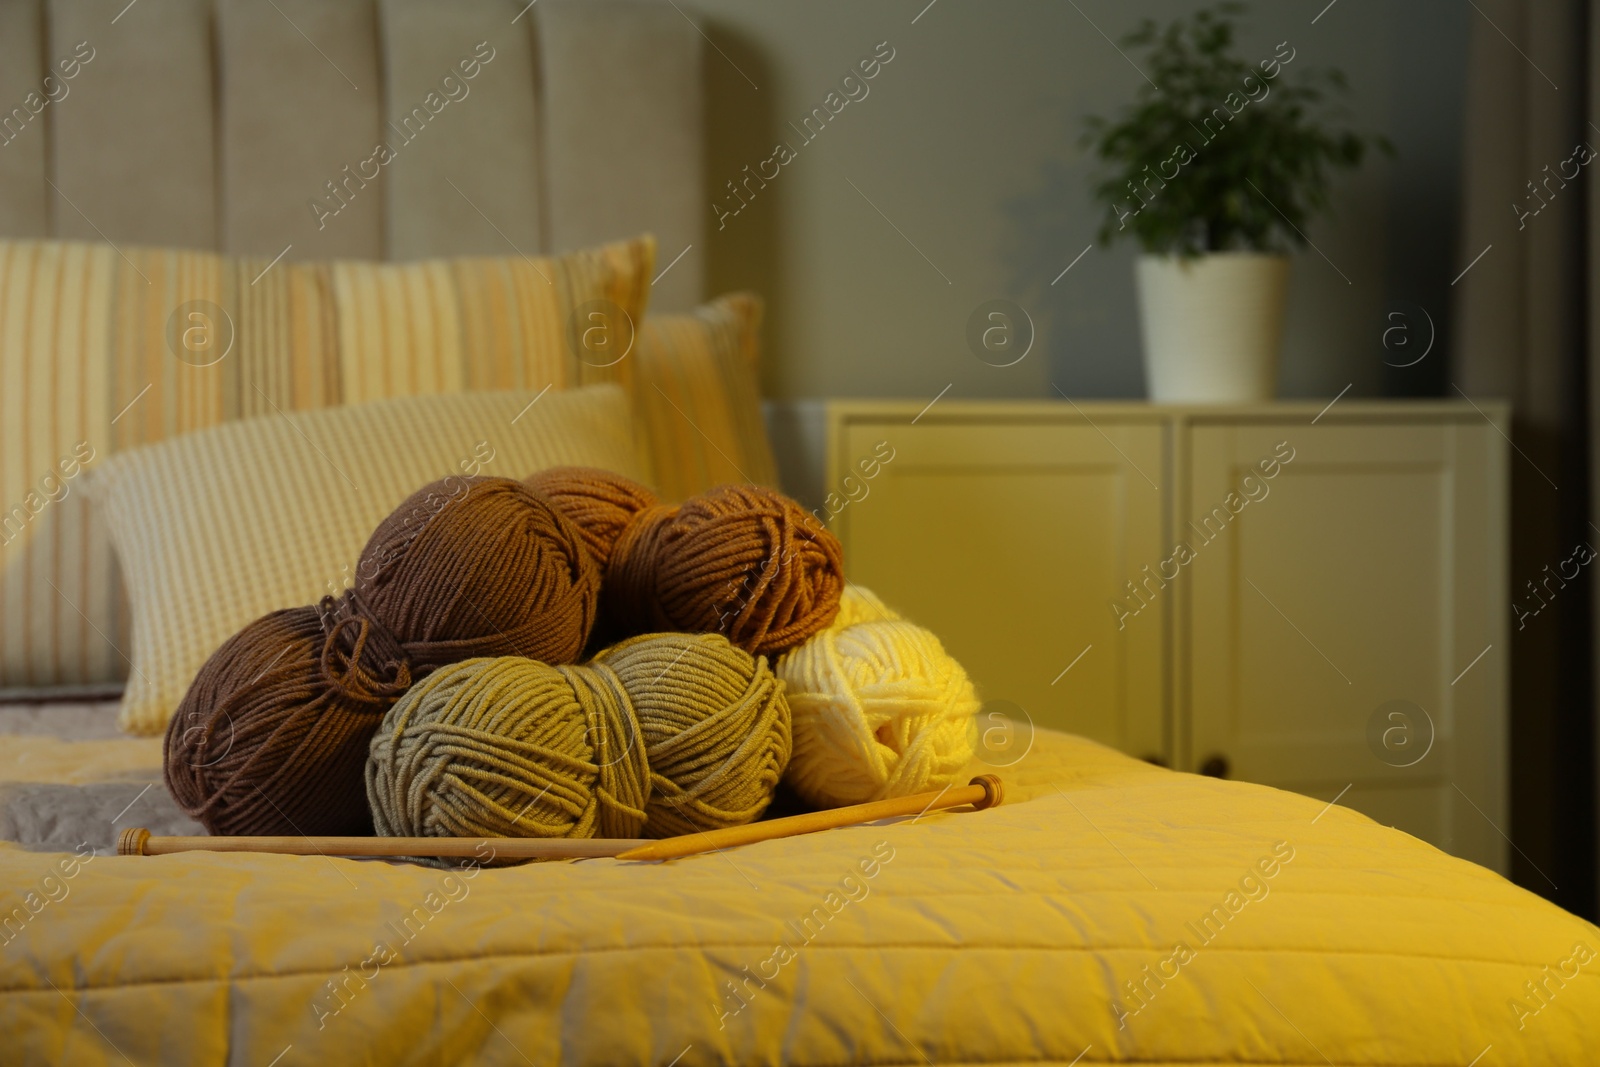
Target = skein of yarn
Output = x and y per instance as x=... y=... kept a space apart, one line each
x=601 y=504
x=479 y=567
x=264 y=742
x=660 y=735
x=272 y=735
x=880 y=709
x=740 y=560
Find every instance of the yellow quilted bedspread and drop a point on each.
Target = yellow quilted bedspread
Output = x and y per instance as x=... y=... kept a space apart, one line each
x=1110 y=912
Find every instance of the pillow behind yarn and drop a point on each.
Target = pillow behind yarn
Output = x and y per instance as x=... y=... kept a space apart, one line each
x=740 y=560
x=696 y=392
x=304 y=335
x=661 y=735
x=464 y=567
x=217 y=528
x=879 y=708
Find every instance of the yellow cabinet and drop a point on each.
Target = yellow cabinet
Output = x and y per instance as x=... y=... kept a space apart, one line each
x=1350 y=634
x=1311 y=599
x=999 y=535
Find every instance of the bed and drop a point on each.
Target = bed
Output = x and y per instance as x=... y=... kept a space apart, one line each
x=1109 y=912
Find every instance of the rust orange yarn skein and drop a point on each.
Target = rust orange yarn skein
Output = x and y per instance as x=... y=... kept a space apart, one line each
x=740 y=560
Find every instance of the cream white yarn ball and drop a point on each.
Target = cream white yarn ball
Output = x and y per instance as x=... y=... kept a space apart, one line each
x=857 y=603
x=879 y=709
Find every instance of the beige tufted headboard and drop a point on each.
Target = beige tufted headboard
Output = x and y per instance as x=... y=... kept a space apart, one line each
x=377 y=129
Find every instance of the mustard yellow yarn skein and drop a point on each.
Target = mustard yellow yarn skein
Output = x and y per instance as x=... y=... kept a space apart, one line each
x=880 y=709
x=662 y=734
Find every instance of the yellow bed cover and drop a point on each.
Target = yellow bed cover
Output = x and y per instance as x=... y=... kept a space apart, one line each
x=1110 y=912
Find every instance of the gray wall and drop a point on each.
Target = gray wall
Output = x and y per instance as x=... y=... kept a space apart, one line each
x=967 y=142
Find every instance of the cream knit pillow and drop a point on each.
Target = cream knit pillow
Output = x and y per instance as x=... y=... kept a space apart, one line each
x=216 y=528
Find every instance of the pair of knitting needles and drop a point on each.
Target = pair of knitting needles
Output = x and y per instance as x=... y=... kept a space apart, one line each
x=985 y=791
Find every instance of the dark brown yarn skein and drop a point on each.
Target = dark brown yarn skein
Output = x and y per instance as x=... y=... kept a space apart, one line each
x=740 y=560
x=264 y=743
x=272 y=736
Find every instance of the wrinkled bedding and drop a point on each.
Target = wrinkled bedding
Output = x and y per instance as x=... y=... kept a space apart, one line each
x=1110 y=911
x=69 y=779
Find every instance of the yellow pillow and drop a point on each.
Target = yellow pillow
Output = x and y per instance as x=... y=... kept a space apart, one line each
x=218 y=527
x=104 y=349
x=444 y=325
x=697 y=393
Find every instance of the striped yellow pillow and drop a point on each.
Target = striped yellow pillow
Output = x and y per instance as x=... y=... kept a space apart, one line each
x=438 y=326
x=103 y=349
x=218 y=527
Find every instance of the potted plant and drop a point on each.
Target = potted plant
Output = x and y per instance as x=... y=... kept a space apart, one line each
x=1216 y=169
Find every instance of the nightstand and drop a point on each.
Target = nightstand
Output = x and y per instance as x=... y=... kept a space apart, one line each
x=1310 y=598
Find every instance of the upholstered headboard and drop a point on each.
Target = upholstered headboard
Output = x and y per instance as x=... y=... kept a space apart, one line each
x=375 y=129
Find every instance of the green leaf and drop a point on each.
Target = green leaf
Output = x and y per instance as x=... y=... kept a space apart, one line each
x=1284 y=141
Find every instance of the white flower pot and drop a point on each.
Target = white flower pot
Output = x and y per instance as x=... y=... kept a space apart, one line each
x=1213 y=325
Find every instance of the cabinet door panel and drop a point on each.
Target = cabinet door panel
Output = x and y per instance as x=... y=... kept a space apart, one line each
x=1010 y=541
x=1329 y=619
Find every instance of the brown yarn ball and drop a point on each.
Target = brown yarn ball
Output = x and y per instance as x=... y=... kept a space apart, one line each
x=479 y=567
x=265 y=743
x=740 y=560
x=272 y=735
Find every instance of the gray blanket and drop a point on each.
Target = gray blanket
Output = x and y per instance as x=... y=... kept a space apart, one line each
x=49 y=817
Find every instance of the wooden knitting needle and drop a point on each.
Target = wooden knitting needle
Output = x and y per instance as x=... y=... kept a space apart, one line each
x=137 y=841
x=985 y=791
